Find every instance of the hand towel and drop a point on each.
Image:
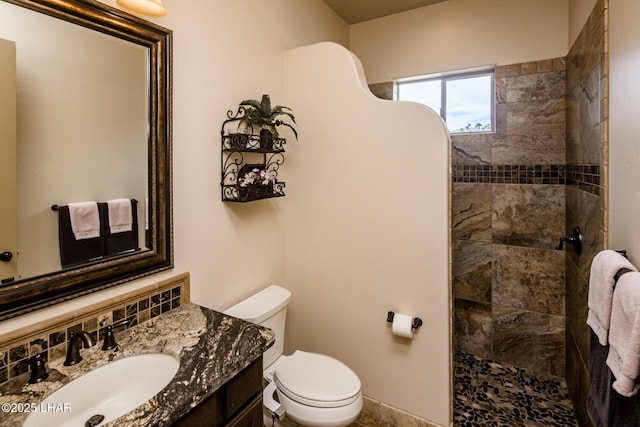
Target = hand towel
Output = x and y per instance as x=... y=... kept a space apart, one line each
x=605 y=406
x=121 y=240
x=604 y=267
x=624 y=335
x=72 y=250
x=120 y=215
x=85 y=220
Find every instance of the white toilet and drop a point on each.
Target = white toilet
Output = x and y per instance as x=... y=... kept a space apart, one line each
x=313 y=389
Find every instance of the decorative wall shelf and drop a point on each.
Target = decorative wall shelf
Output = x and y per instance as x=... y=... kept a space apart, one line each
x=242 y=153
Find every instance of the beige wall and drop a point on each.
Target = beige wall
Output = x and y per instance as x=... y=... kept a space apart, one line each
x=367 y=231
x=459 y=34
x=224 y=52
x=624 y=127
x=579 y=11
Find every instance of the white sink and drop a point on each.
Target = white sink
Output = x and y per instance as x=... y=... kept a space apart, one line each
x=110 y=391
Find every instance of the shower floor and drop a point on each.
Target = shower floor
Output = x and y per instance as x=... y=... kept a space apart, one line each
x=489 y=393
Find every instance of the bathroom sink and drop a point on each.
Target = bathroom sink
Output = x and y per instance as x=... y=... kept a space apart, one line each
x=109 y=391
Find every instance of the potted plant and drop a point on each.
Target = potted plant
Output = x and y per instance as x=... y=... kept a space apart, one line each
x=266 y=118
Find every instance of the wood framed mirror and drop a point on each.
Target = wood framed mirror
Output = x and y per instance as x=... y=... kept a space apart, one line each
x=41 y=288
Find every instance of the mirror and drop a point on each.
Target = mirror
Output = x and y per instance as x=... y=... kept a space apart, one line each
x=93 y=123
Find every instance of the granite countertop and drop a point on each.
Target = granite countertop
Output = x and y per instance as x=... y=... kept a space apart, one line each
x=212 y=348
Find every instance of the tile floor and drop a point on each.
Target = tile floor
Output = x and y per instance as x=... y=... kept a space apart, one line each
x=489 y=393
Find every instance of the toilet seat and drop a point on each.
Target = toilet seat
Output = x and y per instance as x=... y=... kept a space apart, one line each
x=317 y=380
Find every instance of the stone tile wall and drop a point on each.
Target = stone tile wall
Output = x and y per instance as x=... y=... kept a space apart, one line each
x=508 y=281
x=587 y=148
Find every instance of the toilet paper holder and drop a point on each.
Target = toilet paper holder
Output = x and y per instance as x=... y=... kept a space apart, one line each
x=417 y=322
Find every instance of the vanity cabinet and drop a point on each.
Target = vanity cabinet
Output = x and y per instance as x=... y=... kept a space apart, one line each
x=238 y=403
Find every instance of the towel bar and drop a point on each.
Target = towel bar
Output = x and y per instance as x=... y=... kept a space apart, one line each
x=619 y=274
x=56 y=208
x=623 y=252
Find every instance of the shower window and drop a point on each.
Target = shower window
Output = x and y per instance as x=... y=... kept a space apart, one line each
x=464 y=100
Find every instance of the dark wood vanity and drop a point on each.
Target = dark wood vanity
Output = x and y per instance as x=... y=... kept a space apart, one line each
x=218 y=382
x=237 y=403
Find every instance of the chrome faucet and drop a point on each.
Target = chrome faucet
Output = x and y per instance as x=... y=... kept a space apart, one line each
x=76 y=342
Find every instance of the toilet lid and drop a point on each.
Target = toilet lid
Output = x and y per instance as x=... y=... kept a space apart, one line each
x=317 y=380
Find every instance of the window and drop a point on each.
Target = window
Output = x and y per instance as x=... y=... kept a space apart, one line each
x=464 y=100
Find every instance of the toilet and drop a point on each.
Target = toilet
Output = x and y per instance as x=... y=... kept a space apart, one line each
x=313 y=389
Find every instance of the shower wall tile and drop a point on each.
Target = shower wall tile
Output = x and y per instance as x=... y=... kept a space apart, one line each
x=589 y=48
x=474 y=149
x=539 y=86
x=473 y=327
x=472 y=270
x=576 y=295
x=585 y=131
x=523 y=174
x=577 y=377
x=591 y=124
x=528 y=278
x=382 y=90
x=471 y=212
x=534 y=111
x=542 y=336
x=585 y=210
x=528 y=215
x=500 y=79
x=589 y=178
x=535 y=133
x=542 y=66
x=587 y=92
x=517 y=176
x=586 y=193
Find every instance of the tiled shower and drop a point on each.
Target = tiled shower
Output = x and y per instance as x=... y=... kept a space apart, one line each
x=508 y=214
x=517 y=298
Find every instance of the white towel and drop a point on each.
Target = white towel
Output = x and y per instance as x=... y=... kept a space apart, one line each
x=604 y=267
x=120 y=215
x=85 y=220
x=624 y=335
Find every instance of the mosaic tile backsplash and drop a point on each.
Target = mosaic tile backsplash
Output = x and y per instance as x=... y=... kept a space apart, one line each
x=510 y=174
x=51 y=343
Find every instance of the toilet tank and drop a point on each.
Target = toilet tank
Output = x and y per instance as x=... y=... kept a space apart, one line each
x=267 y=308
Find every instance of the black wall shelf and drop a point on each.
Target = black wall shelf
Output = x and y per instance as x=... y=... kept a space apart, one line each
x=242 y=152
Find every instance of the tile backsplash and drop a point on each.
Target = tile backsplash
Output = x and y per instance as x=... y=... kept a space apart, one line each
x=49 y=338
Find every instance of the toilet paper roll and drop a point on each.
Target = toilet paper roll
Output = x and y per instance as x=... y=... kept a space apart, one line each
x=402 y=325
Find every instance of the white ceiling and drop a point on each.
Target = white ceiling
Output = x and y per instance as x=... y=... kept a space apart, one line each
x=354 y=11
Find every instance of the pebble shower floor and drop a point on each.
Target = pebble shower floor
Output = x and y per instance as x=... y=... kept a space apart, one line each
x=489 y=393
